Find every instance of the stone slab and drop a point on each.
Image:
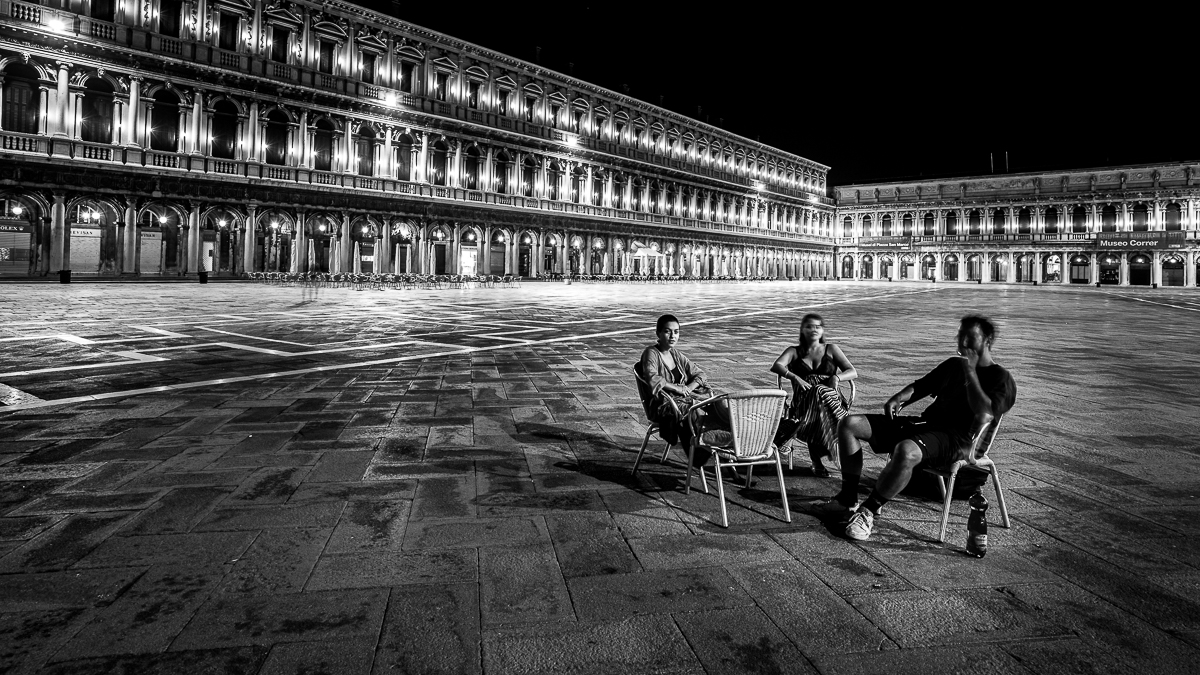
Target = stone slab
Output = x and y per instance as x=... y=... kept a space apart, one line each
x=231 y=621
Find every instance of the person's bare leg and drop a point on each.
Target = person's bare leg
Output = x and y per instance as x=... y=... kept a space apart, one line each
x=895 y=476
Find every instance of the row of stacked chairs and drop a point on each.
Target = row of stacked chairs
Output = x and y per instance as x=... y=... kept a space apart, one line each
x=658 y=278
x=382 y=281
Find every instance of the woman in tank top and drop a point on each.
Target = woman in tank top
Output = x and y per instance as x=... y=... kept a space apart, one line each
x=815 y=369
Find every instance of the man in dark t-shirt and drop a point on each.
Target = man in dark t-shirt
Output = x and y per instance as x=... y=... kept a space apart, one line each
x=970 y=390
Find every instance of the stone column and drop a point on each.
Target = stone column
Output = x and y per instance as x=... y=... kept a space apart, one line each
x=300 y=244
x=129 y=263
x=1094 y=267
x=1156 y=267
x=58 y=233
x=62 y=103
x=347 y=247
x=193 y=240
x=1124 y=268
x=249 y=239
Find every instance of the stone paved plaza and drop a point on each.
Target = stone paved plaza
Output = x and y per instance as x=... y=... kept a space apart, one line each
x=239 y=478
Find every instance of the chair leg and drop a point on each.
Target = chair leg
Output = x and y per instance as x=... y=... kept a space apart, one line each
x=946 y=499
x=721 y=493
x=1000 y=496
x=645 y=442
x=687 y=481
x=749 y=474
x=942 y=486
x=664 y=455
x=787 y=514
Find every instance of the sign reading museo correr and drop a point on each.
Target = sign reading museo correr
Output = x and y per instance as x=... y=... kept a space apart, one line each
x=1157 y=240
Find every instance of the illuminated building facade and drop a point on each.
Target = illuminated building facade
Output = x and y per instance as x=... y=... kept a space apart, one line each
x=1132 y=225
x=170 y=137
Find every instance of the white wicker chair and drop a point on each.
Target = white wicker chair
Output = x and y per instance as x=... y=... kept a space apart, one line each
x=754 y=417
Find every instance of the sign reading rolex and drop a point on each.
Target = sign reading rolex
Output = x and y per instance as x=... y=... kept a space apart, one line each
x=890 y=243
x=1157 y=240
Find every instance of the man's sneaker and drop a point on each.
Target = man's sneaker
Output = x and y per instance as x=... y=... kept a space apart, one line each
x=860 y=525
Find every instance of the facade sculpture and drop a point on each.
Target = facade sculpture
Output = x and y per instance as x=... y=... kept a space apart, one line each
x=160 y=137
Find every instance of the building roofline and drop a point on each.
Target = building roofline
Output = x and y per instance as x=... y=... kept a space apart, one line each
x=1024 y=174
x=569 y=79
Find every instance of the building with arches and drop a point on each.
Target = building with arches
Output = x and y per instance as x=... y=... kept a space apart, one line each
x=169 y=137
x=1130 y=225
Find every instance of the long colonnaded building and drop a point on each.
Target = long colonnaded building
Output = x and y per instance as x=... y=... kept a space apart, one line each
x=1130 y=225
x=171 y=137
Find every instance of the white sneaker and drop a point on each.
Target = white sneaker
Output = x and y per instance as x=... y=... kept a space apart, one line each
x=860 y=525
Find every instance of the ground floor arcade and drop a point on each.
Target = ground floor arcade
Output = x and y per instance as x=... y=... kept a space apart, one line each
x=1070 y=266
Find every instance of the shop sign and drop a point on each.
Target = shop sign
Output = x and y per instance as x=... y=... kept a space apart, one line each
x=14 y=228
x=890 y=243
x=1156 y=240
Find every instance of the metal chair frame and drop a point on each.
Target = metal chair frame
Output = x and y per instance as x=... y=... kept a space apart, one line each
x=980 y=446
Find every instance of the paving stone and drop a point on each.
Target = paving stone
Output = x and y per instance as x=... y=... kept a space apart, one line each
x=340 y=466
x=177 y=511
x=89 y=502
x=279 y=561
x=343 y=656
x=370 y=526
x=977 y=660
x=146 y=618
x=741 y=640
x=29 y=639
x=522 y=584
x=376 y=569
x=432 y=628
x=589 y=544
x=316 y=515
x=476 y=532
x=229 y=621
x=64 y=544
x=609 y=597
x=701 y=551
x=165 y=549
x=646 y=644
x=29 y=592
x=444 y=498
x=27 y=527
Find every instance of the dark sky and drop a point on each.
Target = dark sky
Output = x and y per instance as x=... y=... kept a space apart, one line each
x=876 y=94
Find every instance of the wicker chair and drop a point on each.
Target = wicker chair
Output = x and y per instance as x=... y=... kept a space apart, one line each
x=754 y=417
x=947 y=474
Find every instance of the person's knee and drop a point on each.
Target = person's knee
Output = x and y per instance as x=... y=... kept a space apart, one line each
x=907 y=453
x=856 y=425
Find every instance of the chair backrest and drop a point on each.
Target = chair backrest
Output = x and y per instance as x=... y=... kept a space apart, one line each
x=986 y=436
x=643 y=387
x=754 y=417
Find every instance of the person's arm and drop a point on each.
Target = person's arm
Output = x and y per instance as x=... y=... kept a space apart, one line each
x=977 y=399
x=931 y=382
x=653 y=367
x=780 y=368
x=693 y=375
x=845 y=370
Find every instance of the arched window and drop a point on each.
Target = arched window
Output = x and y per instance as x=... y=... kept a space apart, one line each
x=404 y=157
x=907 y=224
x=364 y=149
x=618 y=189
x=471 y=168
x=276 y=138
x=636 y=198
x=952 y=223
x=323 y=146
x=999 y=221
x=866 y=227
x=555 y=178
x=577 y=180
x=886 y=226
x=1025 y=220
x=597 y=188
x=1141 y=218
x=973 y=221
x=928 y=225
x=1173 y=217
x=439 y=162
x=20 y=99
x=164 y=122
x=224 y=130
x=503 y=169
x=847 y=227
x=528 y=176
x=1108 y=218
x=96 y=112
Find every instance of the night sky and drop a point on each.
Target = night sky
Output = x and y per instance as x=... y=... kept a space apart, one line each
x=911 y=92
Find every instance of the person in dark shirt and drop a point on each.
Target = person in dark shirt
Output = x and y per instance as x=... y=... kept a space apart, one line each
x=969 y=390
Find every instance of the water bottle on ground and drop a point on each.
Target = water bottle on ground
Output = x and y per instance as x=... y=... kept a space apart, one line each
x=977 y=525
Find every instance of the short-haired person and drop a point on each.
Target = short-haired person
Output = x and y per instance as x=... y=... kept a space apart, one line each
x=970 y=390
x=671 y=374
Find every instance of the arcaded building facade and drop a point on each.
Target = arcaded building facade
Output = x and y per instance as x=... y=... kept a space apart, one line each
x=1131 y=225
x=169 y=137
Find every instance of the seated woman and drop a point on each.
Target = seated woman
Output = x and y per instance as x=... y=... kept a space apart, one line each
x=815 y=369
x=672 y=375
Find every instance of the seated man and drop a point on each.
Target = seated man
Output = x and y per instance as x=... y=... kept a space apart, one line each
x=970 y=391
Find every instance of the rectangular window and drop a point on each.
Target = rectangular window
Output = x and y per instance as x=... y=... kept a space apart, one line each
x=473 y=95
x=407 y=70
x=366 y=157
x=227 y=35
x=502 y=102
x=441 y=82
x=20 y=107
x=555 y=110
x=170 y=17
x=279 y=44
x=325 y=60
x=530 y=104
x=368 y=68
x=577 y=121
x=323 y=151
x=104 y=10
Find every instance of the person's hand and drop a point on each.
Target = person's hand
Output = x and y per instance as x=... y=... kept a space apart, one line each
x=892 y=407
x=970 y=357
x=832 y=382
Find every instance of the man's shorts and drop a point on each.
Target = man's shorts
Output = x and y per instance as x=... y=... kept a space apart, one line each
x=938 y=445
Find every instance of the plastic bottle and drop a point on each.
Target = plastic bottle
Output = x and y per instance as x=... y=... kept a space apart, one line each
x=977 y=525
